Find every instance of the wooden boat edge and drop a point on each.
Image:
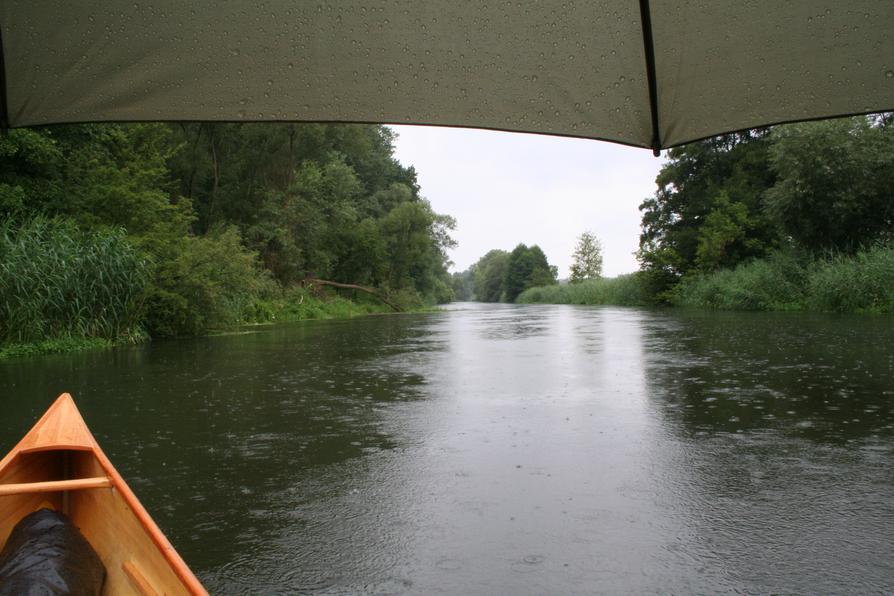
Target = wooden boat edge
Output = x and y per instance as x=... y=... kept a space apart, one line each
x=63 y=411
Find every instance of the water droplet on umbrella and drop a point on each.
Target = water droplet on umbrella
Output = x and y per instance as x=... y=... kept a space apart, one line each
x=890 y=74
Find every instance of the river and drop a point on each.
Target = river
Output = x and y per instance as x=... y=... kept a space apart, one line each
x=498 y=449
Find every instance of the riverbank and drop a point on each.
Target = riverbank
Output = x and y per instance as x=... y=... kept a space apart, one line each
x=296 y=305
x=862 y=282
x=624 y=290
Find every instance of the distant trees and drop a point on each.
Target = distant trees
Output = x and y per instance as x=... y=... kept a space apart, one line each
x=500 y=276
x=527 y=267
x=463 y=286
x=587 y=258
x=488 y=275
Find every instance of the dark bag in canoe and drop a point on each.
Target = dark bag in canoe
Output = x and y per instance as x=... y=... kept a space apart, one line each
x=47 y=555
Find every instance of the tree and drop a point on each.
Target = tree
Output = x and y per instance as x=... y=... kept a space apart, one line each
x=587 y=258
x=527 y=268
x=463 y=285
x=488 y=274
x=834 y=182
x=708 y=209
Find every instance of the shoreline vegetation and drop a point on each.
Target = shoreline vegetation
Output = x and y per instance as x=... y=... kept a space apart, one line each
x=117 y=233
x=862 y=282
x=293 y=306
x=796 y=217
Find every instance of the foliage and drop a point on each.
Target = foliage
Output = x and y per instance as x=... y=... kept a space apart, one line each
x=836 y=282
x=708 y=209
x=210 y=283
x=624 y=290
x=229 y=215
x=298 y=304
x=53 y=346
x=463 y=284
x=863 y=282
x=527 y=268
x=500 y=276
x=774 y=283
x=727 y=201
x=57 y=281
x=587 y=258
x=488 y=275
x=834 y=182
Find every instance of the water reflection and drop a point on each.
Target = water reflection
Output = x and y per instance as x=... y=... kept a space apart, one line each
x=759 y=409
x=503 y=449
x=827 y=378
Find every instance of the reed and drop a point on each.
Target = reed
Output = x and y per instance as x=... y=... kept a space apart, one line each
x=57 y=281
x=775 y=283
x=862 y=282
x=623 y=290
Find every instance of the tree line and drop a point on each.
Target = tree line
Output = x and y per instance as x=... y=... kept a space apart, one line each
x=501 y=276
x=211 y=224
x=794 y=217
x=797 y=216
x=791 y=209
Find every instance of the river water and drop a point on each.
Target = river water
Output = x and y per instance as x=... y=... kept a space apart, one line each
x=496 y=449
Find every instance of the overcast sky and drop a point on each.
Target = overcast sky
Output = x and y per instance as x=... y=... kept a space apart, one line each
x=506 y=188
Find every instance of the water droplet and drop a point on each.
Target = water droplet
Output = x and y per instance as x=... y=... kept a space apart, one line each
x=890 y=74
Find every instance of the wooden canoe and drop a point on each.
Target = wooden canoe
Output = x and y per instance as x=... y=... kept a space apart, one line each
x=59 y=465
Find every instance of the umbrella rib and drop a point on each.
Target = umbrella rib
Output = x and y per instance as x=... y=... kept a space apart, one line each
x=649 y=51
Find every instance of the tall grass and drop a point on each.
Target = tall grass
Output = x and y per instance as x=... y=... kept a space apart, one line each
x=775 y=283
x=57 y=282
x=624 y=290
x=862 y=282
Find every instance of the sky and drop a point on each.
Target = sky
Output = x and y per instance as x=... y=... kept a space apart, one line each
x=510 y=188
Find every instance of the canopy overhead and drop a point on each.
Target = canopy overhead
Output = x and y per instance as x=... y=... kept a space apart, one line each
x=650 y=75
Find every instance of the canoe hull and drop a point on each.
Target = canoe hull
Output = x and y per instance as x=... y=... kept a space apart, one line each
x=137 y=556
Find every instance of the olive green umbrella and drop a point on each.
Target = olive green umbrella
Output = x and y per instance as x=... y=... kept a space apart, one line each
x=650 y=74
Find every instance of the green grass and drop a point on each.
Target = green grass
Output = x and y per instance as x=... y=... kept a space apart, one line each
x=298 y=304
x=858 y=283
x=624 y=290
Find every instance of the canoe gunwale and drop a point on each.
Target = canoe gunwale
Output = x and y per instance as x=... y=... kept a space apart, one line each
x=61 y=429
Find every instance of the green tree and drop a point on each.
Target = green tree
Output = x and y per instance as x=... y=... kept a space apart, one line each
x=834 y=182
x=587 y=258
x=527 y=268
x=488 y=275
x=707 y=182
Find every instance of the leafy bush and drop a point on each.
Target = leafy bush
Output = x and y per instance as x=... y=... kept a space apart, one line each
x=57 y=281
x=207 y=282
